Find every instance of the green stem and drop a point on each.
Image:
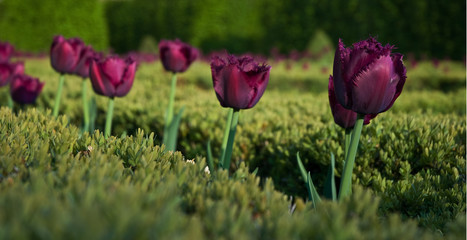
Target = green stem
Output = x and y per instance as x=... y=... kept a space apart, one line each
x=348 y=135
x=226 y=137
x=170 y=109
x=233 y=129
x=108 y=120
x=59 y=94
x=85 y=106
x=10 y=101
x=346 y=181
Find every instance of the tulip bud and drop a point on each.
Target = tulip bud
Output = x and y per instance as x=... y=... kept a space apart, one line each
x=7 y=70
x=65 y=54
x=368 y=78
x=6 y=50
x=25 y=89
x=239 y=82
x=343 y=117
x=176 y=56
x=86 y=55
x=112 y=76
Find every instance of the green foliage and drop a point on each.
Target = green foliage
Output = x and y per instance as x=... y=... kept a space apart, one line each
x=31 y=25
x=56 y=184
x=412 y=157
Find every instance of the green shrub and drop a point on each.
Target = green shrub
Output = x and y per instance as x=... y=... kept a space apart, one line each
x=57 y=184
x=31 y=25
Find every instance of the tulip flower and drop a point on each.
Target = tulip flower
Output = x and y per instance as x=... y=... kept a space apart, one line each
x=25 y=89
x=7 y=71
x=239 y=83
x=6 y=50
x=112 y=77
x=64 y=56
x=176 y=56
x=367 y=79
x=82 y=69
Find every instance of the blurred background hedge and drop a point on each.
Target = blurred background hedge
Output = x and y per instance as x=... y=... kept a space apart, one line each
x=428 y=28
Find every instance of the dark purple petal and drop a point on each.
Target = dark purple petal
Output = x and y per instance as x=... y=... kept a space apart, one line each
x=7 y=70
x=64 y=54
x=25 y=89
x=127 y=80
x=176 y=56
x=99 y=83
x=82 y=67
x=6 y=50
x=113 y=76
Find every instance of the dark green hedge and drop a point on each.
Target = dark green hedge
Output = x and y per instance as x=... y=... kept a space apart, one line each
x=30 y=25
x=56 y=184
x=432 y=28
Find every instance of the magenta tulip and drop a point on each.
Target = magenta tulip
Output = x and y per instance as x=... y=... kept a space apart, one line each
x=65 y=54
x=25 y=89
x=112 y=76
x=86 y=55
x=7 y=70
x=368 y=78
x=343 y=117
x=6 y=51
x=239 y=82
x=176 y=56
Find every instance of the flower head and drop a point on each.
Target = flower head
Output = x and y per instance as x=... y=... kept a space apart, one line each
x=112 y=76
x=85 y=57
x=368 y=78
x=176 y=56
x=25 y=89
x=7 y=70
x=65 y=54
x=6 y=50
x=239 y=82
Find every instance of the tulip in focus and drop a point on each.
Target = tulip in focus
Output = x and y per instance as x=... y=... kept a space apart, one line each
x=65 y=54
x=239 y=83
x=25 y=89
x=112 y=77
x=368 y=77
x=6 y=50
x=176 y=56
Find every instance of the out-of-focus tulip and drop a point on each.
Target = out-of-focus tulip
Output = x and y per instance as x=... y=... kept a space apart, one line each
x=239 y=82
x=7 y=70
x=176 y=56
x=112 y=76
x=82 y=67
x=65 y=54
x=368 y=78
x=343 y=117
x=25 y=89
x=6 y=50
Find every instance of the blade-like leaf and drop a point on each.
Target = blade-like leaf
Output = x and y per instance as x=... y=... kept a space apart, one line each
x=173 y=131
x=209 y=157
x=301 y=167
x=312 y=193
x=330 y=183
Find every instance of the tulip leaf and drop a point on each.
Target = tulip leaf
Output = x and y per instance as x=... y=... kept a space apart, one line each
x=255 y=172
x=209 y=156
x=173 y=131
x=312 y=193
x=92 y=114
x=330 y=184
x=301 y=167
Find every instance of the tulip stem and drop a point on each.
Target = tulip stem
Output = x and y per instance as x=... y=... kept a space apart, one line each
x=170 y=110
x=346 y=181
x=226 y=137
x=348 y=136
x=233 y=129
x=85 y=106
x=10 y=101
x=59 y=94
x=108 y=120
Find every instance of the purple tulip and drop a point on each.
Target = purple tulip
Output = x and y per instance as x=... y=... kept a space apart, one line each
x=86 y=55
x=368 y=78
x=343 y=117
x=176 y=56
x=6 y=50
x=239 y=82
x=24 y=89
x=7 y=70
x=65 y=54
x=112 y=76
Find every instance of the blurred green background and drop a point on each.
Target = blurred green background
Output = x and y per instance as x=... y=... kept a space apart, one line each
x=426 y=28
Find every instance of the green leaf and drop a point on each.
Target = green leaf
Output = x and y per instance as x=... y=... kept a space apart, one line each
x=330 y=184
x=312 y=193
x=209 y=157
x=301 y=167
x=173 y=131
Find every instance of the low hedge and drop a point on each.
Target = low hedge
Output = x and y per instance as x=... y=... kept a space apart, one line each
x=58 y=184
